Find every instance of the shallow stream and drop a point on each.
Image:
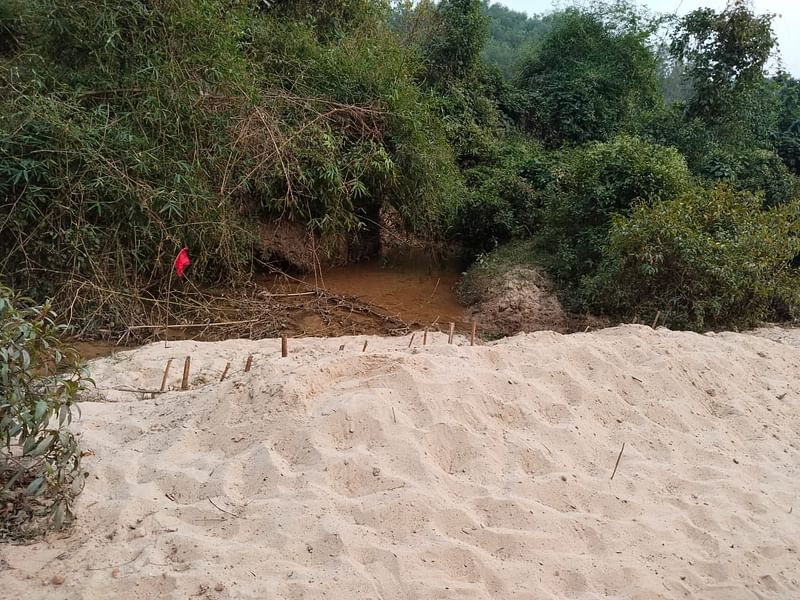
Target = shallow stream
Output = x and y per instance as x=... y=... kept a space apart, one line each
x=416 y=291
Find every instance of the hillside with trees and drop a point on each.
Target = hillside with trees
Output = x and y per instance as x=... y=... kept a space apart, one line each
x=648 y=164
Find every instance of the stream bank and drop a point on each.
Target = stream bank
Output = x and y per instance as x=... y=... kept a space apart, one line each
x=410 y=292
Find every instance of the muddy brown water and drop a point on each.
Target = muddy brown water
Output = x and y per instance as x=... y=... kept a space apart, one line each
x=416 y=291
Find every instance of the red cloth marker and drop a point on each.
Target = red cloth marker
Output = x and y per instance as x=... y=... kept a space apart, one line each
x=182 y=261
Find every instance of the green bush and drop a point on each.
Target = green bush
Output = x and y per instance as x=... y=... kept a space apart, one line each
x=754 y=170
x=112 y=153
x=787 y=146
x=355 y=130
x=749 y=166
x=504 y=198
x=591 y=184
x=705 y=260
x=40 y=382
x=669 y=126
x=483 y=222
x=763 y=171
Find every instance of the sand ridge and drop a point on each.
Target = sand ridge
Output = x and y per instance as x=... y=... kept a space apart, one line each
x=447 y=471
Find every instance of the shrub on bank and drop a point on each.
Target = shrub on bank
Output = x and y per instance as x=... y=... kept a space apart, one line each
x=40 y=382
x=591 y=184
x=706 y=260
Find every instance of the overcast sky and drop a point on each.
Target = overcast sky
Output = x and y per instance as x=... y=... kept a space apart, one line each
x=786 y=24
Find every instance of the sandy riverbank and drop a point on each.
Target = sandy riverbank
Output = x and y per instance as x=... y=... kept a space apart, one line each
x=439 y=472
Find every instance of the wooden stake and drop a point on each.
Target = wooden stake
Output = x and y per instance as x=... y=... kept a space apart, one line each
x=425 y=337
x=472 y=335
x=284 y=346
x=411 y=341
x=364 y=349
x=166 y=373
x=394 y=416
x=655 y=321
x=616 y=465
x=187 y=365
x=249 y=364
x=225 y=372
x=452 y=330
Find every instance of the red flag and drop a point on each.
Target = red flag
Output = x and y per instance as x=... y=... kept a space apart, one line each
x=182 y=261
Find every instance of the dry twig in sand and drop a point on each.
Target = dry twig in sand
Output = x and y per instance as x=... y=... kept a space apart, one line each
x=222 y=509
x=618 y=458
x=225 y=372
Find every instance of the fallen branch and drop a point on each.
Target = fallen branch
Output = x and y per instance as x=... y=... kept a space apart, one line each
x=138 y=554
x=269 y=295
x=138 y=390
x=182 y=326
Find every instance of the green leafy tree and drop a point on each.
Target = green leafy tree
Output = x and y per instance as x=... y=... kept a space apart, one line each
x=591 y=74
x=724 y=55
x=786 y=137
x=733 y=119
x=454 y=44
x=331 y=18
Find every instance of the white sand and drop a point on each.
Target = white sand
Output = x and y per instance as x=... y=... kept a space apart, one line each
x=492 y=483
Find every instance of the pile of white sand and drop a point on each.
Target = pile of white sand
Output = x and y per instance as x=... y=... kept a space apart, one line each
x=444 y=471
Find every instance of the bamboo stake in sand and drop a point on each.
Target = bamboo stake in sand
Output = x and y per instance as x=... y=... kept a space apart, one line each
x=452 y=331
x=225 y=372
x=364 y=349
x=187 y=365
x=166 y=373
x=618 y=457
x=411 y=341
x=284 y=346
x=249 y=364
x=425 y=337
x=472 y=335
x=655 y=321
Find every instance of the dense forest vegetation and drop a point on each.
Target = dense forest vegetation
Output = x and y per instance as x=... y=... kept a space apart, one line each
x=648 y=163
